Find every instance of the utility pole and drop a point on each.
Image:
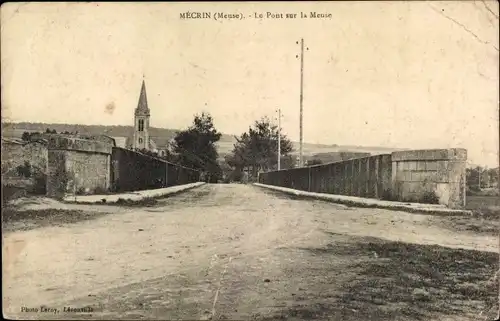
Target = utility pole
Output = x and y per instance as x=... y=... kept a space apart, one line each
x=479 y=170
x=301 y=162
x=301 y=97
x=279 y=139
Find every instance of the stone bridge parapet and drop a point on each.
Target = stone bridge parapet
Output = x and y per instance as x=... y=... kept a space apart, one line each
x=433 y=175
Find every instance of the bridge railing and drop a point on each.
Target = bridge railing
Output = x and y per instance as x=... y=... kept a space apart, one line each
x=364 y=177
x=132 y=171
x=424 y=176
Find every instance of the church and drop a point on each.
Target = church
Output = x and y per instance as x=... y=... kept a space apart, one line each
x=141 y=138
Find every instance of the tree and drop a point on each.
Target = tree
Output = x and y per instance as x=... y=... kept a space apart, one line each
x=472 y=178
x=288 y=162
x=226 y=170
x=257 y=149
x=481 y=177
x=493 y=174
x=26 y=136
x=195 y=147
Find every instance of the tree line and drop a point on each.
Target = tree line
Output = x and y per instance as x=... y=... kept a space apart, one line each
x=481 y=177
x=28 y=136
x=255 y=150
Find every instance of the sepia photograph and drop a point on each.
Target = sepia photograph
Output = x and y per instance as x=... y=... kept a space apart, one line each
x=320 y=160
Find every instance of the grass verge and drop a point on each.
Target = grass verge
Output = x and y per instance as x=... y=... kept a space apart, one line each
x=487 y=207
x=14 y=219
x=485 y=218
x=408 y=209
x=400 y=281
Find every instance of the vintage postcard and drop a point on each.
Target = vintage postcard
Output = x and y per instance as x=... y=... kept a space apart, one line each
x=250 y=160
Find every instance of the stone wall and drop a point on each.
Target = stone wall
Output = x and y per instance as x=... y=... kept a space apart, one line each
x=330 y=157
x=178 y=175
x=363 y=177
x=416 y=174
x=71 y=164
x=90 y=172
x=57 y=184
x=135 y=171
x=132 y=171
x=15 y=154
x=19 y=153
x=410 y=176
x=77 y=166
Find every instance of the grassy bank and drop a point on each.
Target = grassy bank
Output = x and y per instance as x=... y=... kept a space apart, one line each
x=397 y=281
x=486 y=206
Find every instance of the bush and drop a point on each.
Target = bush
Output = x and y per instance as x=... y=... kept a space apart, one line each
x=474 y=191
x=426 y=198
x=26 y=136
x=473 y=188
x=24 y=170
x=121 y=201
x=430 y=198
x=80 y=191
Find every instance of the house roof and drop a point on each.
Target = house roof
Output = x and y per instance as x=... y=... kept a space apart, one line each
x=155 y=143
x=121 y=141
x=160 y=142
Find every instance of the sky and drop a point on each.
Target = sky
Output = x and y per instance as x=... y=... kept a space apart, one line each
x=394 y=74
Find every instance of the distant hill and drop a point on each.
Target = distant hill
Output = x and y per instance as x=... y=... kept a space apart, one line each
x=225 y=144
x=336 y=156
x=17 y=129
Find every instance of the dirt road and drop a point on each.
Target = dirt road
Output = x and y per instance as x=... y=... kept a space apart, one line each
x=240 y=252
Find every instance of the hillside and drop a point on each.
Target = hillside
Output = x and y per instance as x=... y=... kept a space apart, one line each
x=225 y=145
x=335 y=156
x=17 y=129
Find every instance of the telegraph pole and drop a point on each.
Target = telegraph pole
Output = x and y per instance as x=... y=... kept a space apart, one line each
x=279 y=139
x=301 y=162
x=301 y=97
x=479 y=171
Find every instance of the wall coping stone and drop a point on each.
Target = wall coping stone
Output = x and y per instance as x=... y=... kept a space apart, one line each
x=430 y=154
x=149 y=157
x=78 y=144
x=348 y=161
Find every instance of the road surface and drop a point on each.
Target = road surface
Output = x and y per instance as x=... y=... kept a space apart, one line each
x=233 y=251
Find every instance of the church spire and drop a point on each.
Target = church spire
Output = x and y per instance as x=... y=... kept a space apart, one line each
x=142 y=107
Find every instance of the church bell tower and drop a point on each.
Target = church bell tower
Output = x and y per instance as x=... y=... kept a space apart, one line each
x=141 y=121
